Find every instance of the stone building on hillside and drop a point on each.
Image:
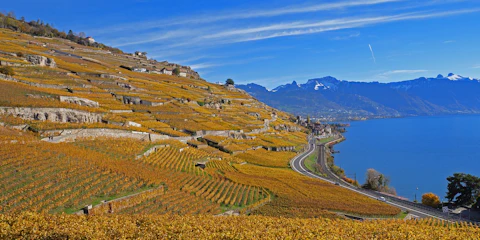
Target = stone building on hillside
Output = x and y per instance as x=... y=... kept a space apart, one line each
x=167 y=71
x=90 y=40
x=138 y=69
x=141 y=54
x=183 y=72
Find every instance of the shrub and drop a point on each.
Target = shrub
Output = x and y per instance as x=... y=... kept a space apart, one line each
x=7 y=70
x=176 y=71
x=20 y=54
x=430 y=199
x=230 y=82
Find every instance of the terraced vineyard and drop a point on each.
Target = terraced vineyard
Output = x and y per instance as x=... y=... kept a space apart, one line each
x=48 y=178
x=210 y=227
x=63 y=177
x=87 y=129
x=297 y=195
x=265 y=158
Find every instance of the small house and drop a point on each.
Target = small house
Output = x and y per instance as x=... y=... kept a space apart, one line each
x=167 y=71
x=137 y=69
x=183 y=73
x=90 y=40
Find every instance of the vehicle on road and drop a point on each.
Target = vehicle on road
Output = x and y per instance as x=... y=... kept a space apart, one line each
x=382 y=199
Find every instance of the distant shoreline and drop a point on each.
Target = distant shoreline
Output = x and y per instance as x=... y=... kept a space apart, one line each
x=340 y=120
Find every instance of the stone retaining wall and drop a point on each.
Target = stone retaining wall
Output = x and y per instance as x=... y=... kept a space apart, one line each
x=52 y=114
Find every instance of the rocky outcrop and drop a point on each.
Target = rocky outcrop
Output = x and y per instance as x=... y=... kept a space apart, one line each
x=79 y=101
x=41 y=61
x=126 y=85
x=131 y=100
x=52 y=114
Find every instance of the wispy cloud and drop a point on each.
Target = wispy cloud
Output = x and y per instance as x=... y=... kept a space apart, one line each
x=224 y=63
x=195 y=39
x=239 y=14
x=354 y=35
x=337 y=24
x=394 y=72
x=204 y=65
x=476 y=66
x=449 y=41
x=226 y=35
x=373 y=54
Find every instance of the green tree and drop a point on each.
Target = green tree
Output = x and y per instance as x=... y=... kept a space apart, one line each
x=463 y=188
x=230 y=82
x=71 y=35
x=7 y=70
x=176 y=71
x=476 y=206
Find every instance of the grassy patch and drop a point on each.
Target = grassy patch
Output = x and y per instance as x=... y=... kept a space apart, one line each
x=325 y=140
x=98 y=199
x=310 y=162
x=401 y=215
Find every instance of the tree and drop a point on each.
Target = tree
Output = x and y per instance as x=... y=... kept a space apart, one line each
x=176 y=71
x=463 y=188
x=82 y=35
x=230 y=82
x=430 y=199
x=71 y=35
x=476 y=206
x=7 y=70
x=377 y=181
x=371 y=179
x=11 y=14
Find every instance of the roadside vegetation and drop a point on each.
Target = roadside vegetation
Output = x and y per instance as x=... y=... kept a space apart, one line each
x=374 y=180
x=464 y=189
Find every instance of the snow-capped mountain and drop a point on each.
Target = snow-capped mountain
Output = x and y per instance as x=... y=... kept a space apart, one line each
x=328 y=95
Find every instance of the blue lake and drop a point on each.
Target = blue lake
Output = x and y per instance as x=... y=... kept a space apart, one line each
x=414 y=152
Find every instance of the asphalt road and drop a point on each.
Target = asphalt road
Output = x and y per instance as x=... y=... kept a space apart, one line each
x=297 y=164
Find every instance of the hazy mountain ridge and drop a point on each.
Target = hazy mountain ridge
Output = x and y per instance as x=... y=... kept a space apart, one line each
x=329 y=97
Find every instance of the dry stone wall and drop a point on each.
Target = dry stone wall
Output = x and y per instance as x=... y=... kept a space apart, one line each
x=79 y=101
x=52 y=114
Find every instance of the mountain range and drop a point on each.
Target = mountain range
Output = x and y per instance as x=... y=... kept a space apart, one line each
x=330 y=98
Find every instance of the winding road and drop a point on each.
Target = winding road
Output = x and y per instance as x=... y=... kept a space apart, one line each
x=421 y=211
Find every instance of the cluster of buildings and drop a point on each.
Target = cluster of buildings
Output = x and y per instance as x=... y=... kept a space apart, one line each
x=162 y=67
x=318 y=129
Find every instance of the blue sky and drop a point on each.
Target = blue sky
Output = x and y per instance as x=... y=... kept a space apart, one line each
x=275 y=42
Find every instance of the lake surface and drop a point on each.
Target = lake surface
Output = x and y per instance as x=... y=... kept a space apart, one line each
x=414 y=152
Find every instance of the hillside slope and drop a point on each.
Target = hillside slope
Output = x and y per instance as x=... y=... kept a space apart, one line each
x=78 y=128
